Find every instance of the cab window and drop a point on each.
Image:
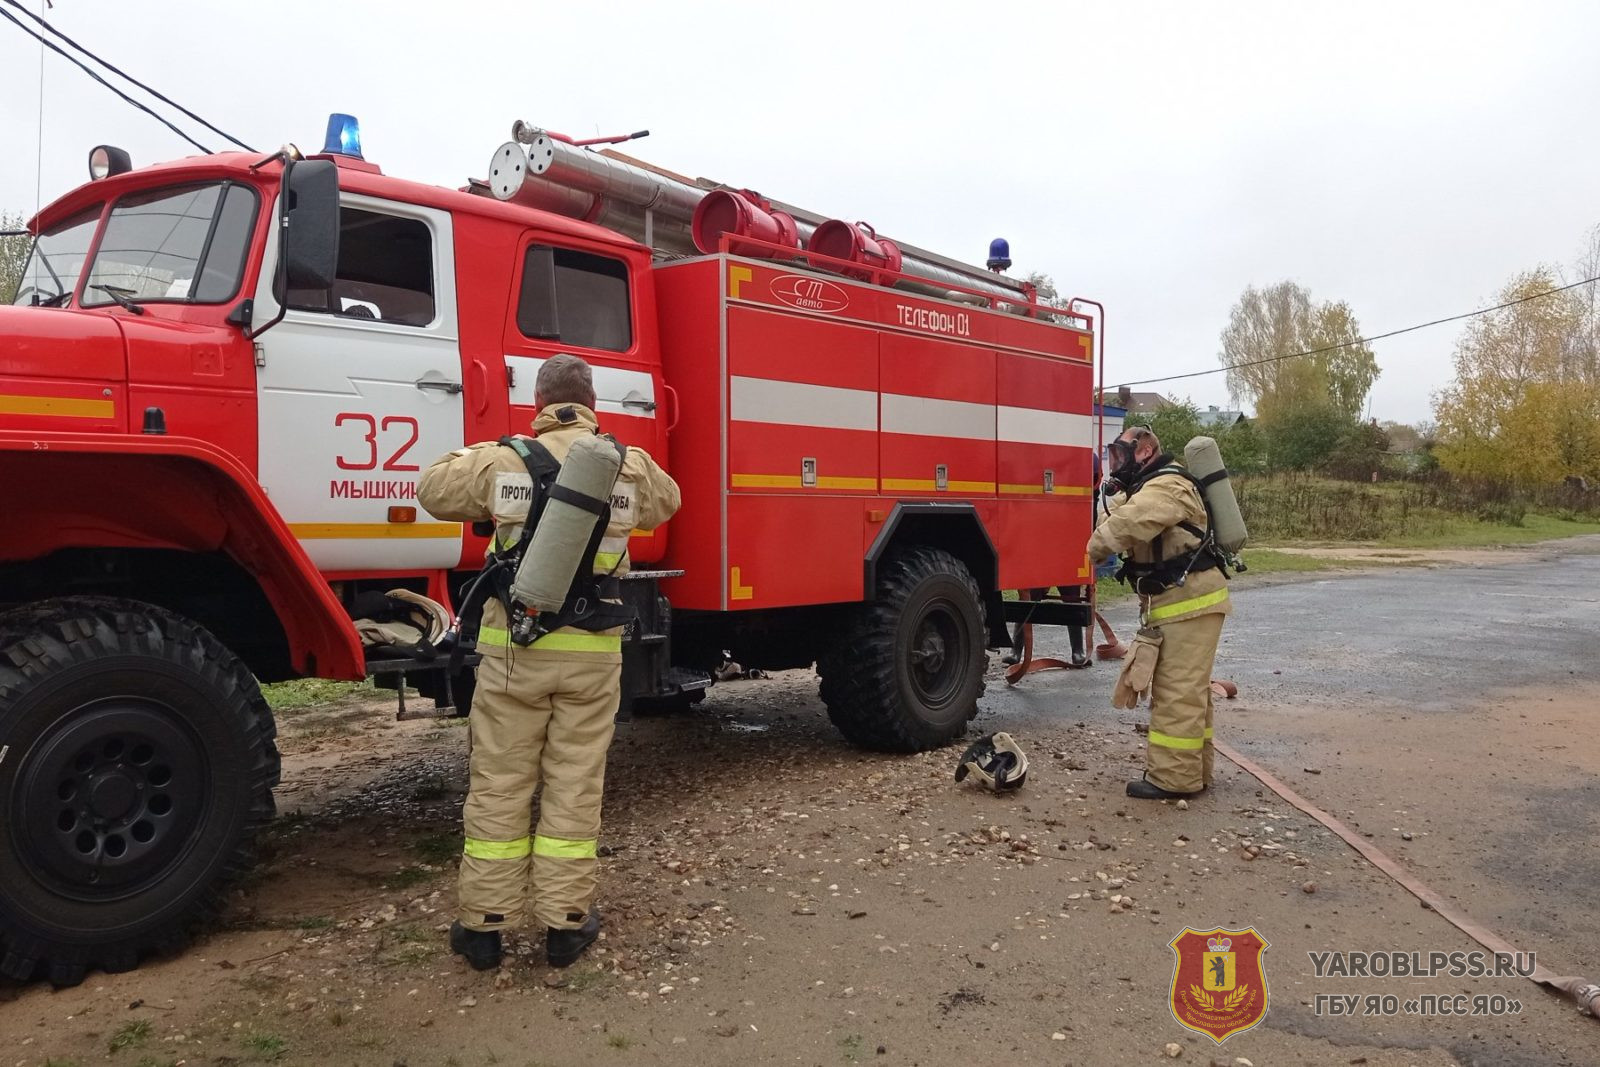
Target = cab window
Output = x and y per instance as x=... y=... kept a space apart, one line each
x=385 y=271
x=55 y=264
x=186 y=245
x=576 y=298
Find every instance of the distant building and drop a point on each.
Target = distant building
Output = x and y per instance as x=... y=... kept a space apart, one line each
x=1213 y=419
x=1137 y=403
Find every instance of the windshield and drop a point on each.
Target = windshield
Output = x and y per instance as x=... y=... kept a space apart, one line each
x=185 y=244
x=51 y=273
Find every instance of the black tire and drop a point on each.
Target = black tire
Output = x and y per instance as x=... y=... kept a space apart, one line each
x=138 y=763
x=906 y=673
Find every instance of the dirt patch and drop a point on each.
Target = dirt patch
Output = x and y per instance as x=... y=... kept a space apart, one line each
x=773 y=895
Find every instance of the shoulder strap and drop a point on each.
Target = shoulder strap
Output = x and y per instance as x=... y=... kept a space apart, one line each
x=542 y=469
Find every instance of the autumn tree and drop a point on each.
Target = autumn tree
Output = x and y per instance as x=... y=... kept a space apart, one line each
x=1046 y=286
x=1267 y=325
x=1403 y=437
x=13 y=256
x=1525 y=403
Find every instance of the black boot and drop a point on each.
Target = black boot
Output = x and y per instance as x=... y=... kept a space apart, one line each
x=480 y=947
x=563 y=947
x=1144 y=789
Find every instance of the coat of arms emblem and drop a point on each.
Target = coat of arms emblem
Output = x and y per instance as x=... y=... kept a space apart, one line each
x=1219 y=985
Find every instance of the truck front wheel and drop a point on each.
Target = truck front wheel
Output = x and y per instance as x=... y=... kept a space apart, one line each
x=136 y=763
x=906 y=673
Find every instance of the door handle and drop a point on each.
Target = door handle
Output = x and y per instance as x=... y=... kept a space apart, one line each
x=483 y=385
x=634 y=400
x=672 y=395
x=448 y=387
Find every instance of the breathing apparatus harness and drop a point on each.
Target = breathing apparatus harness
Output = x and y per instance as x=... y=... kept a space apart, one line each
x=586 y=606
x=1162 y=573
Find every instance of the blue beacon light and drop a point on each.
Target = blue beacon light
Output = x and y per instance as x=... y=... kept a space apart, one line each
x=999 y=255
x=344 y=136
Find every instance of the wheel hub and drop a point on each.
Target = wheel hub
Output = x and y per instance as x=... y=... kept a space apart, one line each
x=938 y=652
x=112 y=795
x=109 y=798
x=930 y=656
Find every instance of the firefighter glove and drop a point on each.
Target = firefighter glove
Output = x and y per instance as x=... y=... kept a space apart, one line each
x=1138 y=668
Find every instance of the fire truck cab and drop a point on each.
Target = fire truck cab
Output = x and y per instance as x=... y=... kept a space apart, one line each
x=220 y=381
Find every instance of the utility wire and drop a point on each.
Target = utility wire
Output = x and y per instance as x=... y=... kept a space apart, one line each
x=1362 y=340
x=38 y=164
x=128 y=77
x=83 y=67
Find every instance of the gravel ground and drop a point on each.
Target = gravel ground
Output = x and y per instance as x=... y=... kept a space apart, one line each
x=774 y=896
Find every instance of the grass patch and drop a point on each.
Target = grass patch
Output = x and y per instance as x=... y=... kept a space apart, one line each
x=585 y=980
x=620 y=1041
x=51 y=1061
x=313 y=922
x=410 y=956
x=300 y=693
x=1465 y=533
x=266 y=1046
x=850 y=1047
x=1437 y=512
x=437 y=849
x=130 y=1035
x=1267 y=561
x=156 y=1061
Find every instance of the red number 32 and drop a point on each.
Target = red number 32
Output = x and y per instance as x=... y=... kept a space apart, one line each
x=374 y=426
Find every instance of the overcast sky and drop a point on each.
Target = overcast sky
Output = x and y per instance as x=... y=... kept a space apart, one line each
x=1405 y=157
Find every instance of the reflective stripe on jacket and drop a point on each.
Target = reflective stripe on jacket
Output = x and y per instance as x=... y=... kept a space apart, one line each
x=1154 y=511
x=488 y=481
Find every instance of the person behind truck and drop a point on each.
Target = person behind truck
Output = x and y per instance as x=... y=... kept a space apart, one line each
x=1158 y=524
x=544 y=712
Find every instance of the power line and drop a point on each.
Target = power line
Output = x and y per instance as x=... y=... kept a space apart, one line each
x=128 y=77
x=83 y=67
x=38 y=165
x=1362 y=340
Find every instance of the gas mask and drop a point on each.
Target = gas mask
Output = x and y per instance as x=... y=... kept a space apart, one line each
x=996 y=761
x=1120 y=462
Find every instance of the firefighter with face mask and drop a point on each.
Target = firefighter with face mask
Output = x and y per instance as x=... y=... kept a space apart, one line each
x=542 y=712
x=1157 y=521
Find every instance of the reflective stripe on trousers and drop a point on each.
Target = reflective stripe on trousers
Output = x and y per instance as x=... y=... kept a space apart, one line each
x=480 y=849
x=1182 y=607
x=563 y=849
x=556 y=642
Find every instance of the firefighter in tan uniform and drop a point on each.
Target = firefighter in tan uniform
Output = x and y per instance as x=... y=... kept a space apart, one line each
x=1158 y=523
x=544 y=712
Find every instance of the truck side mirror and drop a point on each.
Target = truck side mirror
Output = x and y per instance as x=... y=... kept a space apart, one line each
x=311 y=256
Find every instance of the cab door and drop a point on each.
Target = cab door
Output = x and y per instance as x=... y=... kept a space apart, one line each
x=583 y=299
x=360 y=388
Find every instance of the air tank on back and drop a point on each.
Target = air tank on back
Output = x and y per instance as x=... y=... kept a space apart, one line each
x=1204 y=460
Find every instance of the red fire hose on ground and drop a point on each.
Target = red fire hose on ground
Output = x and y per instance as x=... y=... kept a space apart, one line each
x=1584 y=992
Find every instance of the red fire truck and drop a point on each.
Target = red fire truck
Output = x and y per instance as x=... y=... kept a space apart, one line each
x=223 y=375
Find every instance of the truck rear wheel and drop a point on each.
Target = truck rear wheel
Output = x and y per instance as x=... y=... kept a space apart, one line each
x=136 y=763
x=907 y=672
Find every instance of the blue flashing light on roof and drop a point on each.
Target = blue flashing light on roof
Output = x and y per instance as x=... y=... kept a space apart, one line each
x=999 y=254
x=344 y=136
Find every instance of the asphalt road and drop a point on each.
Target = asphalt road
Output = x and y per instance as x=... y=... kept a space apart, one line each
x=1447 y=712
